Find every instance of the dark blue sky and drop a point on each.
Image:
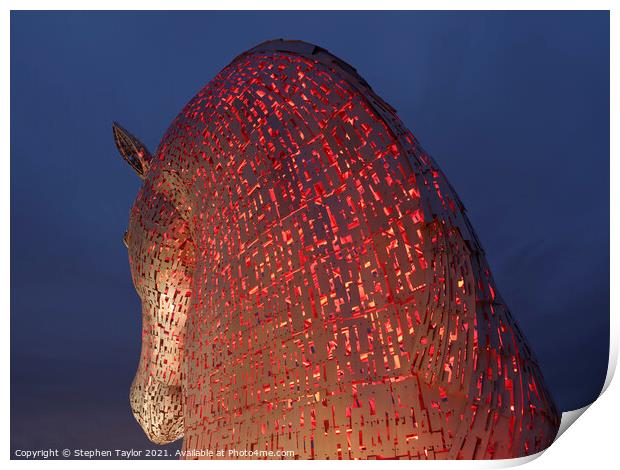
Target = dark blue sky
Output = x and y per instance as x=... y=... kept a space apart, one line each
x=513 y=106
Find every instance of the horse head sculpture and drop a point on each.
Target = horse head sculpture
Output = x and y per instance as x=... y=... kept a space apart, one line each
x=310 y=281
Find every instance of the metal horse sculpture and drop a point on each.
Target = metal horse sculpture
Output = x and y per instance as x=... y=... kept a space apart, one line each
x=310 y=281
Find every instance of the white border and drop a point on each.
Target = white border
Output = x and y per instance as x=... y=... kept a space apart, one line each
x=592 y=443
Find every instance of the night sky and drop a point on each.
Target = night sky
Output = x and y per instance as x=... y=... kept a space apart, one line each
x=514 y=107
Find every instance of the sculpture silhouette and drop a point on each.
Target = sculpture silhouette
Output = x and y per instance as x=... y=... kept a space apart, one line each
x=310 y=281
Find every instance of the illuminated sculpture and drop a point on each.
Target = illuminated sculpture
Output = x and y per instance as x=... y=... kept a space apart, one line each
x=310 y=281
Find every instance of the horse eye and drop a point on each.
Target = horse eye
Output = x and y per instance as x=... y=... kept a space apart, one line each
x=125 y=238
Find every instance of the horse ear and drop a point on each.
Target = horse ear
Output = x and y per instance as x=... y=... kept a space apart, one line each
x=132 y=150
